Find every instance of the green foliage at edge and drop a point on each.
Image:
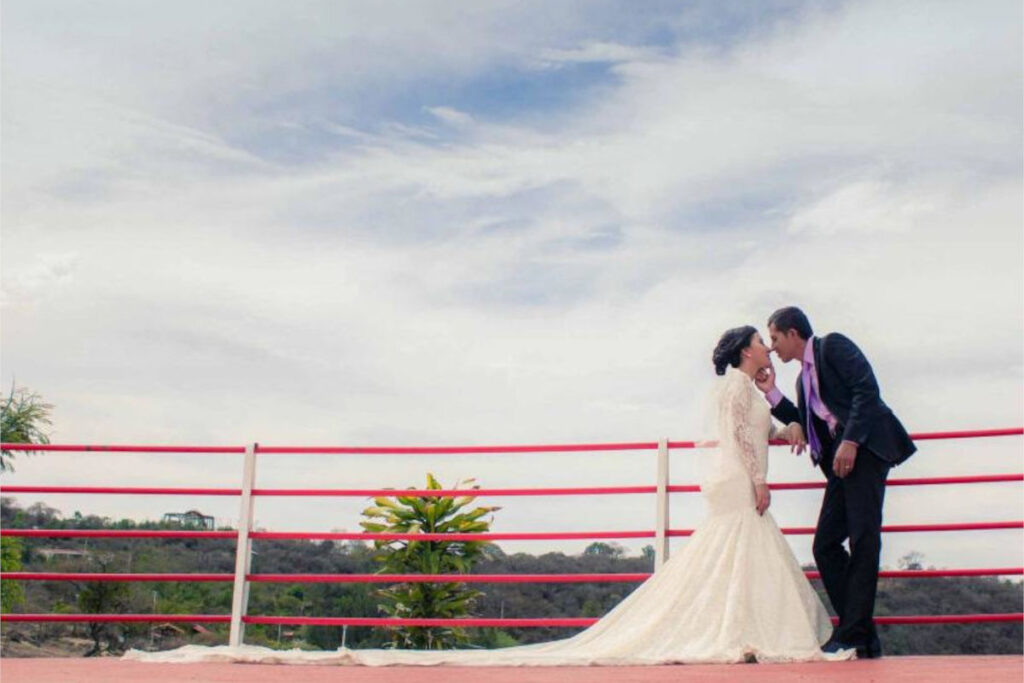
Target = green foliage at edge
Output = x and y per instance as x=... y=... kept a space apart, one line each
x=23 y=415
x=12 y=593
x=428 y=514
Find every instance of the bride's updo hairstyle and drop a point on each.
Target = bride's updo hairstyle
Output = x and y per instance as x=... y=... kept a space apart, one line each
x=727 y=351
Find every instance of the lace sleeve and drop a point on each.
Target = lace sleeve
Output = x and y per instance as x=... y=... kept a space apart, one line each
x=737 y=410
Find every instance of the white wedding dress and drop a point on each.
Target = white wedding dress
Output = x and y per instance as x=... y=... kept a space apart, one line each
x=734 y=591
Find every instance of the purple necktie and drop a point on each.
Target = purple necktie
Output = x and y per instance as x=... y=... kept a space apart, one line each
x=812 y=434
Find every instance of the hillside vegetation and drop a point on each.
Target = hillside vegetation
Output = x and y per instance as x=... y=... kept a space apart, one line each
x=896 y=596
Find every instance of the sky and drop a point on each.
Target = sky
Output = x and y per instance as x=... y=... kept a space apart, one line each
x=450 y=223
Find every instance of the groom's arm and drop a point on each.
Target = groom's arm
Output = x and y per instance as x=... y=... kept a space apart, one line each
x=782 y=408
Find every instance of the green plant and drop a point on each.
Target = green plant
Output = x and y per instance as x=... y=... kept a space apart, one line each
x=13 y=594
x=22 y=416
x=428 y=514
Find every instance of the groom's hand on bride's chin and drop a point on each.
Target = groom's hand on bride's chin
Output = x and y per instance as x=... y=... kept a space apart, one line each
x=765 y=379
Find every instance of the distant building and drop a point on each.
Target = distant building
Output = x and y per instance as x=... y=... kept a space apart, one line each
x=50 y=553
x=193 y=518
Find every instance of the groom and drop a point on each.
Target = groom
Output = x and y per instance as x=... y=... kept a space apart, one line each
x=855 y=438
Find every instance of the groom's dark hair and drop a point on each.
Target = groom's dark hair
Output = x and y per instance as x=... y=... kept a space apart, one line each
x=791 y=318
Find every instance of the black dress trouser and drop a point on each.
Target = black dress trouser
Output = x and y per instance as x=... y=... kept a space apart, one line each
x=851 y=509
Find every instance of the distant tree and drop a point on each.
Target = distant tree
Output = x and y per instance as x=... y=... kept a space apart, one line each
x=912 y=560
x=430 y=514
x=604 y=549
x=23 y=417
x=41 y=515
x=103 y=597
x=648 y=553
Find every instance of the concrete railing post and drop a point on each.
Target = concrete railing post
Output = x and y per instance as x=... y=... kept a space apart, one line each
x=661 y=512
x=243 y=552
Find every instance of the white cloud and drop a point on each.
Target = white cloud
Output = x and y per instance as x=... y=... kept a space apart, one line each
x=40 y=277
x=865 y=207
x=597 y=51
x=452 y=117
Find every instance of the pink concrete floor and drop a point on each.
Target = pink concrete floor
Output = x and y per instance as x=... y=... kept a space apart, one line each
x=889 y=670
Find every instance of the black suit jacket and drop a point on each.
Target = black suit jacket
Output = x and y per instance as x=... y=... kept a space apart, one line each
x=850 y=391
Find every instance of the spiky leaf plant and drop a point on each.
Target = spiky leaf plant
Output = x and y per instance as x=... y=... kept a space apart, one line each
x=428 y=514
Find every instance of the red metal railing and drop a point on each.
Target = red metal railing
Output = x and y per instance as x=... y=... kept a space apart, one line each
x=500 y=536
x=624 y=577
x=386 y=622
x=498 y=578
x=442 y=493
x=446 y=450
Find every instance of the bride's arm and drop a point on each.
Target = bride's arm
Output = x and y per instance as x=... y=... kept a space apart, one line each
x=738 y=409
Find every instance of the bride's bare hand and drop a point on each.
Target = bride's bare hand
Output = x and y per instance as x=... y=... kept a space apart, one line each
x=795 y=437
x=763 y=497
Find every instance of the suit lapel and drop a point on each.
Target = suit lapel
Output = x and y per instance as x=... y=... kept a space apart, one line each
x=819 y=366
x=818 y=360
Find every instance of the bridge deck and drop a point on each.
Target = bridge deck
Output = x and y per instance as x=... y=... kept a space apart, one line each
x=995 y=669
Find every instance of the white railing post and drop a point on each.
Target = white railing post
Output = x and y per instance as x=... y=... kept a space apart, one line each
x=243 y=551
x=661 y=511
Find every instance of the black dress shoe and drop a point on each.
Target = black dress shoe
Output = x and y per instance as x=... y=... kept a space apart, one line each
x=833 y=646
x=873 y=649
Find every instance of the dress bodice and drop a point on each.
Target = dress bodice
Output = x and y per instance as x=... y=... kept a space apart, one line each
x=745 y=425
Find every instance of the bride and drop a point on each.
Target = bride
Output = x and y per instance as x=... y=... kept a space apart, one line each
x=734 y=593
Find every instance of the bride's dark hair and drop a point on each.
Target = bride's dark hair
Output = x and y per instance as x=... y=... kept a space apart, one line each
x=727 y=351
